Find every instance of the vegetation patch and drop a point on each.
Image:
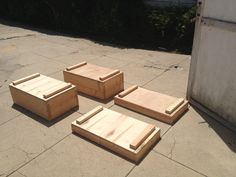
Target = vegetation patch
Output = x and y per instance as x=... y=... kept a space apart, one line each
x=128 y=22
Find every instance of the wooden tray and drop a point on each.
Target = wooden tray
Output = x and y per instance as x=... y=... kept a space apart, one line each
x=127 y=136
x=159 y=106
x=94 y=80
x=45 y=96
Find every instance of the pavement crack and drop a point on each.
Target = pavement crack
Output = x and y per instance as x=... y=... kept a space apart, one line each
x=13 y=37
x=172 y=148
x=157 y=67
x=27 y=154
x=130 y=171
x=22 y=174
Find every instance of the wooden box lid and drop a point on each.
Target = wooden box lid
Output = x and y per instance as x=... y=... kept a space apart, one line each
x=91 y=71
x=41 y=86
x=120 y=133
x=160 y=106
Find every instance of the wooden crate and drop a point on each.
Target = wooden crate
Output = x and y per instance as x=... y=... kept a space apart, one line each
x=45 y=96
x=94 y=80
x=124 y=135
x=159 y=106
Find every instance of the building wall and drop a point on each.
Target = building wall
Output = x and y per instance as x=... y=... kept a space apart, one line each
x=212 y=78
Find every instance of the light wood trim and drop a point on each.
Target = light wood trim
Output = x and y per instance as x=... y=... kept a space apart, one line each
x=174 y=106
x=110 y=74
x=76 y=66
x=88 y=115
x=56 y=90
x=19 y=81
x=127 y=91
x=142 y=136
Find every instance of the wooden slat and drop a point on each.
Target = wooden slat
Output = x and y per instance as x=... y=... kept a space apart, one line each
x=104 y=77
x=127 y=91
x=88 y=115
x=174 y=106
x=19 y=81
x=142 y=136
x=76 y=66
x=56 y=90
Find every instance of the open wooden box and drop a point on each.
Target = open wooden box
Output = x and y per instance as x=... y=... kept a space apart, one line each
x=45 y=96
x=94 y=80
x=124 y=135
x=159 y=106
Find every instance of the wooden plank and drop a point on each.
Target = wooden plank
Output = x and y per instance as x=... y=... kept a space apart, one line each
x=152 y=104
x=117 y=131
x=56 y=90
x=19 y=81
x=108 y=75
x=142 y=136
x=76 y=66
x=88 y=115
x=127 y=91
x=174 y=106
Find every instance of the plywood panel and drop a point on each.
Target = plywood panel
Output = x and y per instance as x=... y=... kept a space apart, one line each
x=159 y=106
x=117 y=132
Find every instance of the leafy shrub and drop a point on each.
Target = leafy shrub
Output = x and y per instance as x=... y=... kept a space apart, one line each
x=127 y=21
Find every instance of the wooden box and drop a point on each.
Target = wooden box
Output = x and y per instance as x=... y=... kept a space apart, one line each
x=124 y=135
x=45 y=96
x=159 y=106
x=94 y=80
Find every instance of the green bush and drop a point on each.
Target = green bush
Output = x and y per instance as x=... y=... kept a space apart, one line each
x=129 y=21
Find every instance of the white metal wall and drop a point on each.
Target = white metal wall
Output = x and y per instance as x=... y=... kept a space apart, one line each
x=212 y=79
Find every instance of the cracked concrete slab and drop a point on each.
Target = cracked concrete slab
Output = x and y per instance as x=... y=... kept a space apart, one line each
x=138 y=74
x=157 y=165
x=53 y=50
x=109 y=62
x=28 y=135
x=172 y=81
x=7 y=113
x=24 y=64
x=75 y=58
x=200 y=143
x=74 y=157
x=23 y=71
x=16 y=174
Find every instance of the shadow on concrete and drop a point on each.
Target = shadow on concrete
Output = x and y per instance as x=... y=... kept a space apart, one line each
x=105 y=41
x=41 y=120
x=115 y=153
x=99 y=40
x=105 y=101
x=226 y=134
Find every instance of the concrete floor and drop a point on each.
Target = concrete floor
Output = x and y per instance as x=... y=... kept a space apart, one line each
x=30 y=146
